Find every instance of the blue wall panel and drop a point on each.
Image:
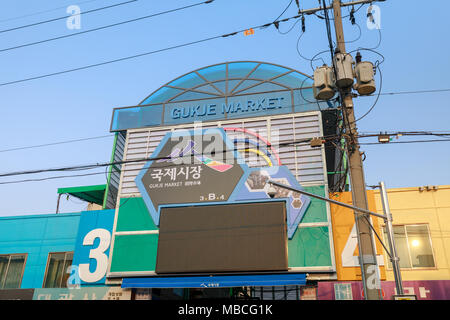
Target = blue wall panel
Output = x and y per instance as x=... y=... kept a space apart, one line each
x=98 y=225
x=37 y=236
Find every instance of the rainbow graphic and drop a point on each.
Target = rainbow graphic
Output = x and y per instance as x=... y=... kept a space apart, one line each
x=271 y=157
x=214 y=164
x=260 y=138
x=189 y=149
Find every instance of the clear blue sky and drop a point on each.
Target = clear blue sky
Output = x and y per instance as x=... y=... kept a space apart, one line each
x=79 y=105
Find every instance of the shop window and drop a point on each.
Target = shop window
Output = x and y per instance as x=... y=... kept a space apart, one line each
x=11 y=270
x=57 y=273
x=413 y=244
x=288 y=292
x=343 y=291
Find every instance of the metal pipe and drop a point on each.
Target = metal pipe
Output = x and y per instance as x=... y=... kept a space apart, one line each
x=390 y=235
x=326 y=199
x=387 y=217
x=57 y=203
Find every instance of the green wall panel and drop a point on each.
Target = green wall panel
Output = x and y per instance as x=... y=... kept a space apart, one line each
x=317 y=210
x=310 y=247
x=134 y=253
x=134 y=216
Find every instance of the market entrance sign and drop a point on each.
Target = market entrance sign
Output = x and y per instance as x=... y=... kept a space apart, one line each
x=200 y=167
x=190 y=167
x=261 y=104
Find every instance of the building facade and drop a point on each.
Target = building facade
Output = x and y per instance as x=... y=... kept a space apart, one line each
x=261 y=110
x=421 y=234
x=41 y=255
x=264 y=116
x=188 y=209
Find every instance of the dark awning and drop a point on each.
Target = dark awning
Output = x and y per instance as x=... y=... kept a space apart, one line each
x=216 y=281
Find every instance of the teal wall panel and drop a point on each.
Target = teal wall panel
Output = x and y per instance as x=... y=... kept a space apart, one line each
x=37 y=235
x=134 y=216
x=317 y=210
x=134 y=253
x=310 y=247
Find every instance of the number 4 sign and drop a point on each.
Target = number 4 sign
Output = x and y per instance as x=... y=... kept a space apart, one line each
x=92 y=246
x=348 y=257
x=346 y=241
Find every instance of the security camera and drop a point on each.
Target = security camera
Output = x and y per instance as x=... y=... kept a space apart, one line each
x=272 y=191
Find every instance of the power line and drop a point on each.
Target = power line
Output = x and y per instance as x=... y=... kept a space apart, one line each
x=66 y=17
x=142 y=54
x=376 y=100
x=290 y=29
x=54 y=143
x=102 y=27
x=92 y=166
x=434 y=132
x=54 y=177
x=45 y=11
x=407 y=133
x=415 y=92
x=97 y=137
x=414 y=141
x=332 y=19
x=102 y=172
x=107 y=62
x=363 y=135
x=294 y=142
x=276 y=24
x=285 y=9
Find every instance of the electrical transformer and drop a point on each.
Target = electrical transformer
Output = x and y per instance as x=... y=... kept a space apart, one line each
x=344 y=70
x=365 y=83
x=323 y=83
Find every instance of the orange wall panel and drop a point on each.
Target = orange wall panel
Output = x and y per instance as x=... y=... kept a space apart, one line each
x=345 y=241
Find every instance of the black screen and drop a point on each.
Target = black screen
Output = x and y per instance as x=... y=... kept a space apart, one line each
x=223 y=238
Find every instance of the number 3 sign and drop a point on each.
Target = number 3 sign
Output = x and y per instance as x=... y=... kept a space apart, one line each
x=92 y=246
x=96 y=253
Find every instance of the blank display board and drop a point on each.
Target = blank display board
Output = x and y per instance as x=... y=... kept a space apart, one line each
x=223 y=238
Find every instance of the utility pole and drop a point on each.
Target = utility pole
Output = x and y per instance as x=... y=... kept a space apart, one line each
x=387 y=217
x=366 y=246
x=367 y=253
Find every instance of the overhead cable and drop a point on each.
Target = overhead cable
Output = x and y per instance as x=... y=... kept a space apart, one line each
x=53 y=143
x=141 y=54
x=66 y=17
x=102 y=172
x=288 y=143
x=102 y=27
x=45 y=11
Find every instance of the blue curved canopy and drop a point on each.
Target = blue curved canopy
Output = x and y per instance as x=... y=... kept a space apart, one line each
x=222 y=91
x=228 y=79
